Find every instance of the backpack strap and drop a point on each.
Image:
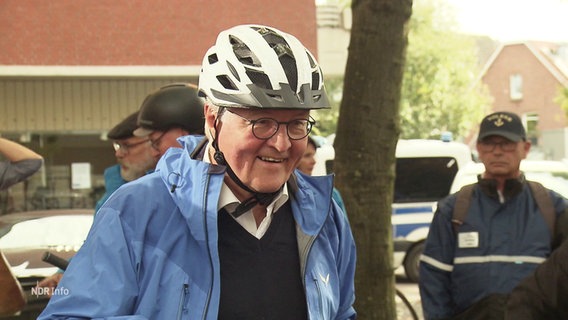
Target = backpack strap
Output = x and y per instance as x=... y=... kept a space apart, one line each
x=544 y=203
x=463 y=199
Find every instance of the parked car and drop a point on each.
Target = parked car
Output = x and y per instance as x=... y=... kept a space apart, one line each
x=425 y=171
x=26 y=236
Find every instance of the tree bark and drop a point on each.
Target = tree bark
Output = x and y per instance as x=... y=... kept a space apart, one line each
x=367 y=133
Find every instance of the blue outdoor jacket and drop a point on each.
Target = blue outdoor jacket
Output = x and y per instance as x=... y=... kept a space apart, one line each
x=152 y=251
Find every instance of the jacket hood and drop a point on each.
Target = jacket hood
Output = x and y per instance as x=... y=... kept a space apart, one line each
x=192 y=180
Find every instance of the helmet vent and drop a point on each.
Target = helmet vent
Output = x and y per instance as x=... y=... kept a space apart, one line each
x=260 y=79
x=284 y=53
x=312 y=62
x=233 y=71
x=226 y=82
x=276 y=97
x=289 y=66
x=315 y=80
x=212 y=58
x=243 y=53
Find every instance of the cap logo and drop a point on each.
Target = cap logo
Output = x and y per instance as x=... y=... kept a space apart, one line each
x=499 y=119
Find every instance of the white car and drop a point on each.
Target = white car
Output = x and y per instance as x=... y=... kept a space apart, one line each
x=26 y=236
x=551 y=174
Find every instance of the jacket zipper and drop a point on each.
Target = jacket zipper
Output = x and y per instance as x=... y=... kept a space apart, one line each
x=184 y=292
x=317 y=284
x=208 y=300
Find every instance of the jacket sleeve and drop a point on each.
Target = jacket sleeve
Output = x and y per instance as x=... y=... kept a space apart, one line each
x=544 y=293
x=14 y=172
x=436 y=265
x=100 y=281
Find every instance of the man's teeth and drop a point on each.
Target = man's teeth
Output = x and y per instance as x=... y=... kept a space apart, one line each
x=271 y=159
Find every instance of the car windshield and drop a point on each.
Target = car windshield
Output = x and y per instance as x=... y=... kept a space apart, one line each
x=423 y=179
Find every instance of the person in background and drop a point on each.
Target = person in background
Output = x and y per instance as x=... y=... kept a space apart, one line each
x=307 y=164
x=135 y=156
x=469 y=267
x=20 y=163
x=172 y=111
x=225 y=228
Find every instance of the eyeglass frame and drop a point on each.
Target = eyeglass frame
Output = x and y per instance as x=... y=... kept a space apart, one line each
x=156 y=142
x=125 y=147
x=310 y=123
x=505 y=145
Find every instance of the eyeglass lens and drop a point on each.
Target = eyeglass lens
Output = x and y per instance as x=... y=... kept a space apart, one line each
x=506 y=145
x=265 y=128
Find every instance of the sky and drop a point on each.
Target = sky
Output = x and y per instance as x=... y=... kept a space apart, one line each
x=514 y=20
x=511 y=20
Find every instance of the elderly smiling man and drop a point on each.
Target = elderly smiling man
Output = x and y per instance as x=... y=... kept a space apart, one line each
x=226 y=228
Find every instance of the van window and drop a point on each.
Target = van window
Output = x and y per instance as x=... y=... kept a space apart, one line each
x=423 y=179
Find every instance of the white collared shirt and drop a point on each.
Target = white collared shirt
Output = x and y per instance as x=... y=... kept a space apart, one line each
x=229 y=201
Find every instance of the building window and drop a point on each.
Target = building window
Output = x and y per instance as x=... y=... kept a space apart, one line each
x=516 y=87
x=532 y=127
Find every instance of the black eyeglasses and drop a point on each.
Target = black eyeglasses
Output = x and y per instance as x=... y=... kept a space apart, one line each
x=156 y=142
x=266 y=128
x=489 y=145
x=125 y=147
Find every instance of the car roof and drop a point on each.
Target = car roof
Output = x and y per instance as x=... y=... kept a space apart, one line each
x=468 y=173
x=16 y=217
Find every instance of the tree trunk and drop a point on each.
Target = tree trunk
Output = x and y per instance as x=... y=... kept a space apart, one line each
x=367 y=133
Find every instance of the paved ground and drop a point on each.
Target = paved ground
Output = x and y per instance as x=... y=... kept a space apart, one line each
x=410 y=291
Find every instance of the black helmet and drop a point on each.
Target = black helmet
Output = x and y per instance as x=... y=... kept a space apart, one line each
x=172 y=106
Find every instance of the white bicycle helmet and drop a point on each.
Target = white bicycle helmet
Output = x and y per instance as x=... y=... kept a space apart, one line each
x=263 y=67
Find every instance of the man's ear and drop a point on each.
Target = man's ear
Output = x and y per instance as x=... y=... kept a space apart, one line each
x=527 y=146
x=210 y=113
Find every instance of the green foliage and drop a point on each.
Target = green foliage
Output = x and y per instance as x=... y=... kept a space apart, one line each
x=327 y=119
x=441 y=89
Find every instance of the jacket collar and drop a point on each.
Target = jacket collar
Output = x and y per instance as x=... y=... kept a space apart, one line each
x=311 y=196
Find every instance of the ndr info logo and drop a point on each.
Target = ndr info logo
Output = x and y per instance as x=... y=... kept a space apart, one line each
x=44 y=291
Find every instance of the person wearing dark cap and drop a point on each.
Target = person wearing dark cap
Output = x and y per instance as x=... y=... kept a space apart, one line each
x=172 y=111
x=135 y=156
x=470 y=265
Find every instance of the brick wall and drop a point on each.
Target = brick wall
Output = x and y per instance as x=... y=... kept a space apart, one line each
x=135 y=32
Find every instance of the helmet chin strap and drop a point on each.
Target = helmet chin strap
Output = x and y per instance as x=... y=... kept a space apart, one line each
x=261 y=198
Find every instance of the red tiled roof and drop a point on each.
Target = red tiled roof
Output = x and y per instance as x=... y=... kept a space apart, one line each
x=135 y=32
